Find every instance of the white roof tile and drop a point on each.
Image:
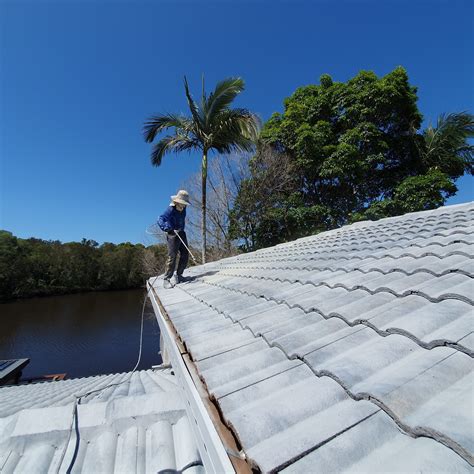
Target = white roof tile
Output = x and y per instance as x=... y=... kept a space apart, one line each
x=385 y=448
x=137 y=426
x=351 y=350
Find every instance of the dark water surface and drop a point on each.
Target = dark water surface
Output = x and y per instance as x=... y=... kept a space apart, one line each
x=82 y=334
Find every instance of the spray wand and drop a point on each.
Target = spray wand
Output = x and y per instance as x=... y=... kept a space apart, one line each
x=187 y=248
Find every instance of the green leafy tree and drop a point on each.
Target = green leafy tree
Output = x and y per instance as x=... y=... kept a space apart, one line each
x=212 y=125
x=357 y=152
x=11 y=264
x=445 y=154
x=416 y=193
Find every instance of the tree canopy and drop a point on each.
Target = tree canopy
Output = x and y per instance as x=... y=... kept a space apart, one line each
x=356 y=152
x=35 y=267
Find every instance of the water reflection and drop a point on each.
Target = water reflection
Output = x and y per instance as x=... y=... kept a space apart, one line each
x=83 y=334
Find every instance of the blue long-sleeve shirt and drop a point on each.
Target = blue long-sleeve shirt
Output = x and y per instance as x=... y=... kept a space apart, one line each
x=172 y=219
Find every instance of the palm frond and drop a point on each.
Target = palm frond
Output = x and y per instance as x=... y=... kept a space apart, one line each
x=193 y=107
x=203 y=98
x=238 y=121
x=224 y=93
x=158 y=123
x=446 y=146
x=227 y=129
x=235 y=130
x=240 y=145
x=250 y=123
x=171 y=143
x=450 y=133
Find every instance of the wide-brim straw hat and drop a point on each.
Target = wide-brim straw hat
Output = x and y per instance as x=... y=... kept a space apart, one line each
x=182 y=197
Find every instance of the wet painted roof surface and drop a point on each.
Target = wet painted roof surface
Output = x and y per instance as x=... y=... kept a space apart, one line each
x=139 y=424
x=351 y=350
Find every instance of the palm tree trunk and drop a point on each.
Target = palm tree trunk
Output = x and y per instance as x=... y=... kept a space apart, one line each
x=204 y=189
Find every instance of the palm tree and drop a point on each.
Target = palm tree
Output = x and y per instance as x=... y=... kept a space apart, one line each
x=212 y=125
x=446 y=146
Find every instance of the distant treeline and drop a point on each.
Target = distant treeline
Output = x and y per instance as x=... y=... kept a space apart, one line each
x=34 y=267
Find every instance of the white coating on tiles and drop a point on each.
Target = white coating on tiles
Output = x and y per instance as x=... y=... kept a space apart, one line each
x=138 y=426
x=373 y=322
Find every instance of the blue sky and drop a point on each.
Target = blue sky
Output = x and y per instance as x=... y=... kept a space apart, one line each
x=78 y=79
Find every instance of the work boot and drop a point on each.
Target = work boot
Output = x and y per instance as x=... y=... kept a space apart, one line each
x=167 y=284
x=181 y=279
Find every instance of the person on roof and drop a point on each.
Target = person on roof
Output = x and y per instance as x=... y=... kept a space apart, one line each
x=172 y=222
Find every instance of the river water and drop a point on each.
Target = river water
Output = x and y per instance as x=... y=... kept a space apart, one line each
x=81 y=334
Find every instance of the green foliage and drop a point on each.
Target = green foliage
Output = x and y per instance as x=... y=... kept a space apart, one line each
x=416 y=193
x=356 y=152
x=31 y=267
x=212 y=124
x=446 y=148
x=11 y=262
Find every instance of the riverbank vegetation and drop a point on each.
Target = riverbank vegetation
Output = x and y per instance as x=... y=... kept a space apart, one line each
x=35 y=267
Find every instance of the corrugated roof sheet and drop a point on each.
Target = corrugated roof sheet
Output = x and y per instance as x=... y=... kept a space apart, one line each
x=351 y=350
x=138 y=426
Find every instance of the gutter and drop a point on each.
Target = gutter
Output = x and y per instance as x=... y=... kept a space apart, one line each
x=217 y=447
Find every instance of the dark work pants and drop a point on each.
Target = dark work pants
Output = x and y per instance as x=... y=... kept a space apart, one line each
x=175 y=246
